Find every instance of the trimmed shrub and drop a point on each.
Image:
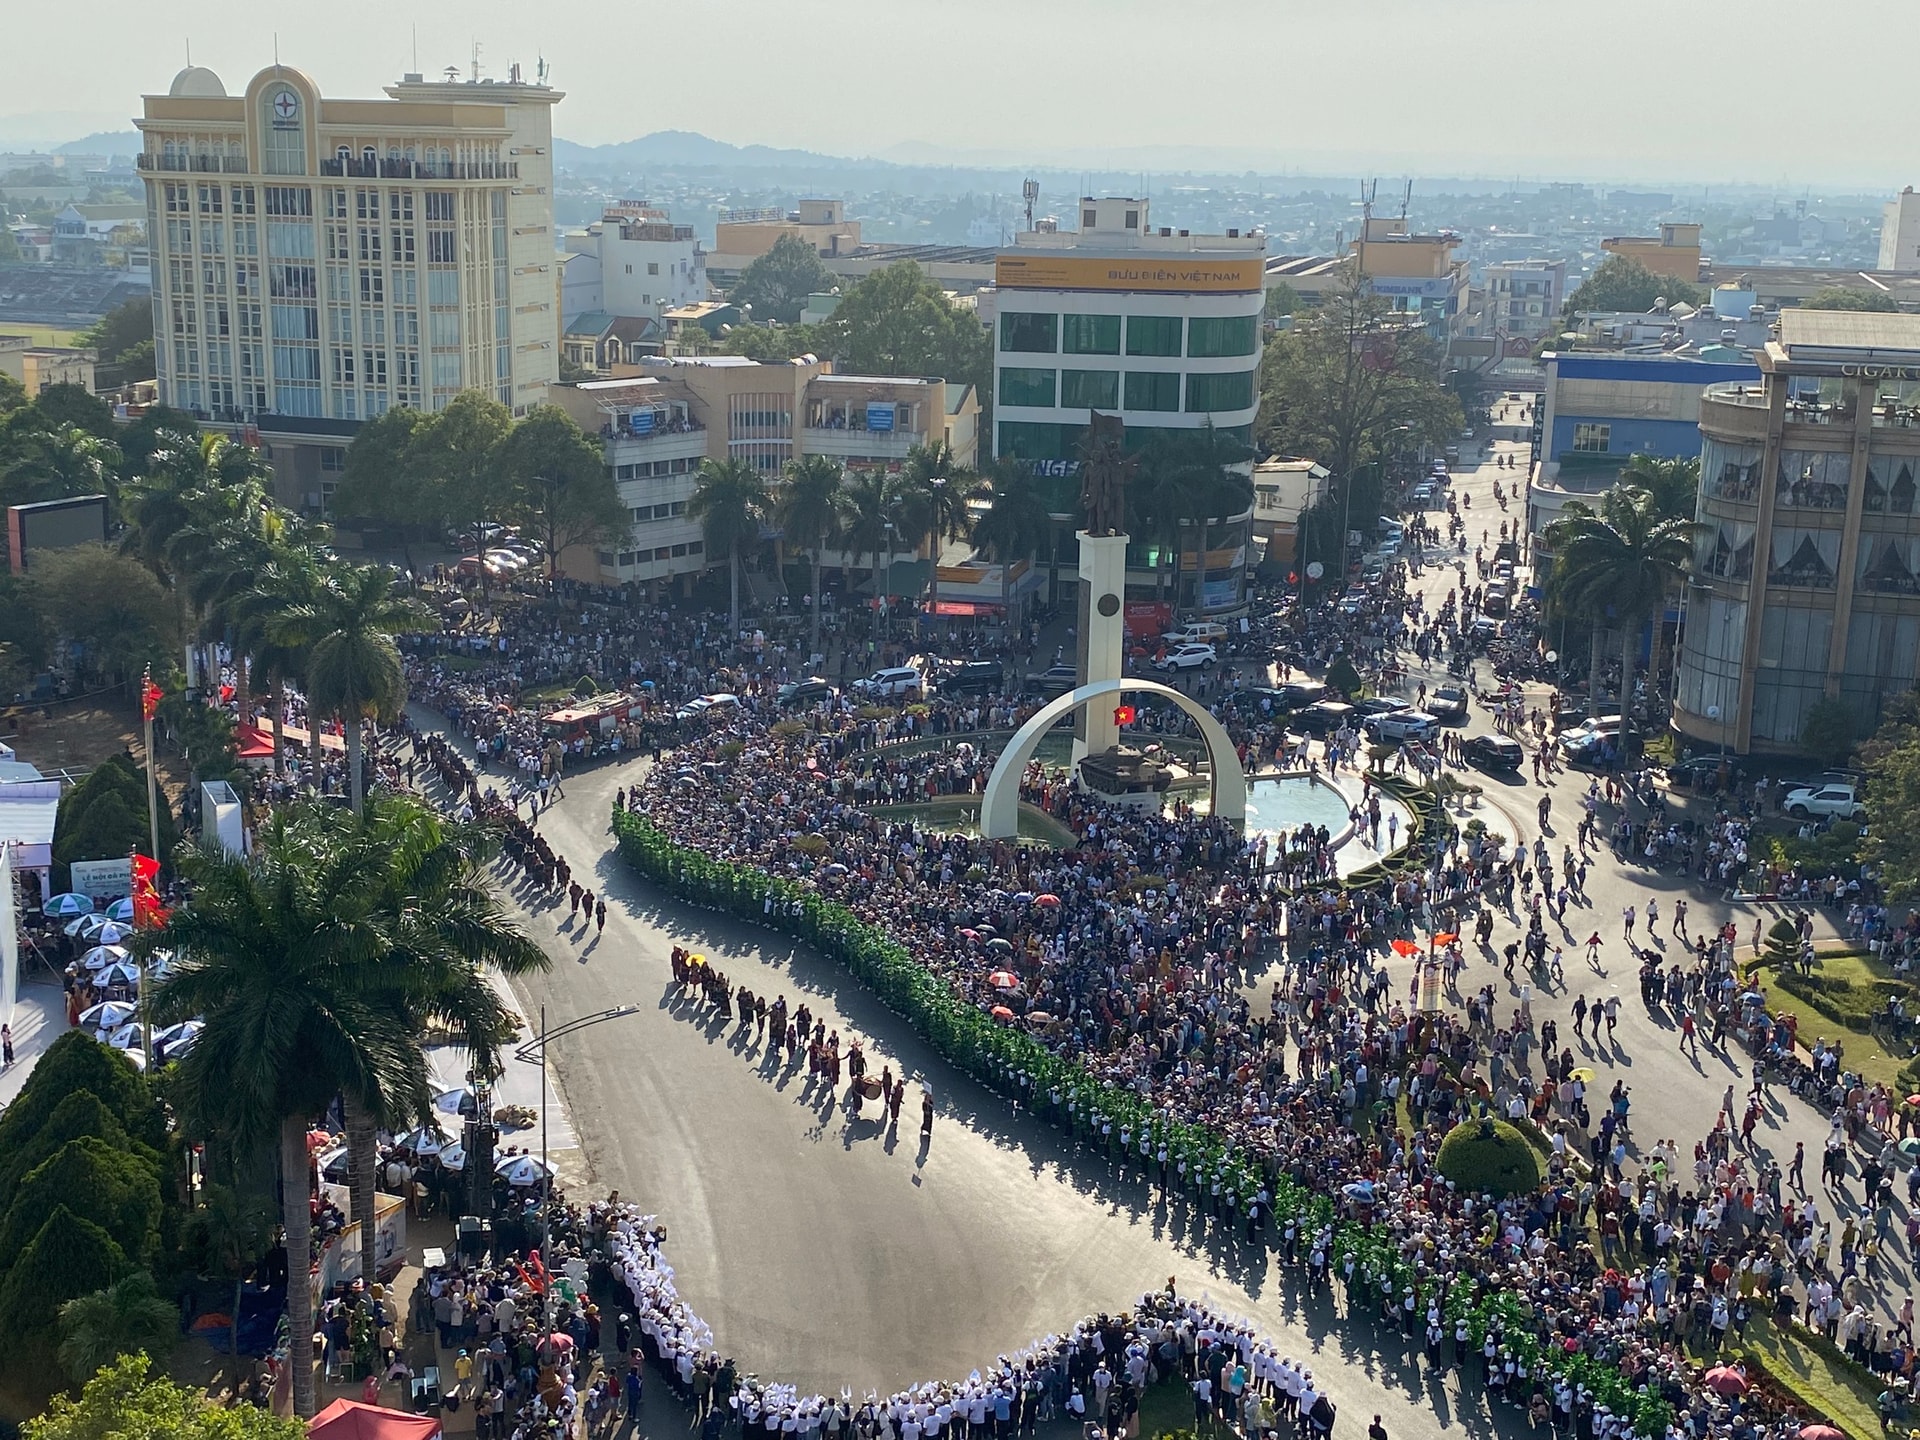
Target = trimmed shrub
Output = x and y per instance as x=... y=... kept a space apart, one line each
x=1489 y=1157
x=117 y=1191
x=68 y=1257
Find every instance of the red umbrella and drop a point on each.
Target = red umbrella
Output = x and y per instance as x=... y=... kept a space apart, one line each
x=1445 y=937
x=1046 y=899
x=1725 y=1380
x=1913 y=1099
x=318 y=1140
x=560 y=1340
x=1405 y=947
x=1820 y=1432
x=1002 y=1014
x=1004 y=980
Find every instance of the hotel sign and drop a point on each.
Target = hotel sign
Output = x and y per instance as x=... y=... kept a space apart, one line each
x=1881 y=372
x=1175 y=275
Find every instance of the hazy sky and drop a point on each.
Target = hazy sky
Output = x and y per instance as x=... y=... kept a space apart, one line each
x=1760 y=90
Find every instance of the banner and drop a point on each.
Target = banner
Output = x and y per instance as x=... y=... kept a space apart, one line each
x=1177 y=274
x=102 y=879
x=339 y=1261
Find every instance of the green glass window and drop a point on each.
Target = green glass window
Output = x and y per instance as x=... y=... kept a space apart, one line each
x=1209 y=337
x=1090 y=389
x=1037 y=440
x=1032 y=334
x=1153 y=389
x=1231 y=391
x=1090 y=334
x=1153 y=334
x=1026 y=387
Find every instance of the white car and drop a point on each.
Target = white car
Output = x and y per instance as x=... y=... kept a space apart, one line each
x=1819 y=801
x=1187 y=657
x=897 y=682
x=1402 y=725
x=707 y=706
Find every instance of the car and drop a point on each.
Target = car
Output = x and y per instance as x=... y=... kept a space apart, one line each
x=1494 y=752
x=1296 y=693
x=510 y=560
x=1056 y=678
x=1839 y=802
x=1698 y=772
x=1495 y=602
x=705 y=707
x=1381 y=705
x=1447 y=704
x=1402 y=725
x=1188 y=657
x=1423 y=495
x=1322 y=717
x=985 y=676
x=810 y=691
x=1199 y=632
x=896 y=682
x=1605 y=725
x=1259 y=700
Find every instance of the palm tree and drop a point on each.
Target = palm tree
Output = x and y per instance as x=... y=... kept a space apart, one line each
x=1205 y=462
x=292 y=579
x=54 y=464
x=937 y=492
x=730 y=500
x=867 y=504
x=807 y=506
x=1673 y=485
x=1016 y=525
x=126 y=1318
x=274 y=951
x=1624 y=558
x=1156 y=498
x=353 y=667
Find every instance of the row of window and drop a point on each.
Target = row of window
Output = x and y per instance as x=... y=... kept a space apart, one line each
x=1206 y=336
x=648 y=557
x=648 y=469
x=1044 y=440
x=1143 y=389
x=668 y=511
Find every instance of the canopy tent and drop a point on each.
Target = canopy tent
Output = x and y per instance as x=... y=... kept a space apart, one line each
x=351 y=1420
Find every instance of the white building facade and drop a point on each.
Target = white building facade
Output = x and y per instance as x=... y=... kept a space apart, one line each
x=644 y=264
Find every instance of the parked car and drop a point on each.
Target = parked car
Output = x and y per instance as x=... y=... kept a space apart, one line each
x=984 y=676
x=897 y=682
x=810 y=691
x=1601 y=726
x=1402 y=725
x=1839 y=802
x=1260 y=700
x=1495 y=752
x=1055 y=679
x=1297 y=693
x=1197 y=632
x=1322 y=717
x=1447 y=704
x=1699 y=772
x=1381 y=705
x=1188 y=657
x=705 y=707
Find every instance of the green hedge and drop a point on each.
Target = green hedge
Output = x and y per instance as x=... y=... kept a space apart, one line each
x=1001 y=1058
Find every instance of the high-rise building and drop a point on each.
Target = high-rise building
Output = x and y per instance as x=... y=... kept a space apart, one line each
x=1159 y=326
x=1806 y=580
x=318 y=261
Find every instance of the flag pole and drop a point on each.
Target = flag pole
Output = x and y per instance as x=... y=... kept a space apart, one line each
x=149 y=702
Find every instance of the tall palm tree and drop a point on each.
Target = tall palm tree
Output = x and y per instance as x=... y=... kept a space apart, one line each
x=937 y=492
x=1673 y=485
x=1156 y=498
x=275 y=948
x=1212 y=486
x=54 y=464
x=730 y=500
x=807 y=506
x=292 y=579
x=1623 y=558
x=126 y=1318
x=1016 y=525
x=867 y=500
x=353 y=667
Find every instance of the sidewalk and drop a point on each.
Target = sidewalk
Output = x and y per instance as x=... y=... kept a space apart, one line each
x=39 y=1018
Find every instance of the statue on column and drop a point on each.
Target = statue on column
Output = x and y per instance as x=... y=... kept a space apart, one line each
x=1105 y=468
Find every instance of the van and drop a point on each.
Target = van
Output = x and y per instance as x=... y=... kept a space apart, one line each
x=897 y=682
x=1197 y=632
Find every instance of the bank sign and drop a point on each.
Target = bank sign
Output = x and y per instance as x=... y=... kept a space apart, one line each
x=1176 y=275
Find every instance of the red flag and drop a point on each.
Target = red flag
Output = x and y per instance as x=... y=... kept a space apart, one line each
x=150 y=697
x=148 y=913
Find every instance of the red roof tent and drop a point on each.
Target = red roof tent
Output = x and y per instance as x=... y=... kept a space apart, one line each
x=351 y=1420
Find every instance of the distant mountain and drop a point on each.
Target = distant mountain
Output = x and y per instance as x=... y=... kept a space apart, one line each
x=102 y=142
x=685 y=147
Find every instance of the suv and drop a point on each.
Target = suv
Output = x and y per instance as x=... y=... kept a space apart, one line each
x=982 y=675
x=1402 y=725
x=897 y=682
x=1813 y=802
x=810 y=691
x=1198 y=632
x=1447 y=704
x=1187 y=657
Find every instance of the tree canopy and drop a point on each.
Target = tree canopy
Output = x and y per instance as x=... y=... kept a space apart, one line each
x=1890 y=760
x=131 y=1400
x=110 y=605
x=777 y=283
x=1849 y=297
x=124 y=337
x=1622 y=283
x=556 y=484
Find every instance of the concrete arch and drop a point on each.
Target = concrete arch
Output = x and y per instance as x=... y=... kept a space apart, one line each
x=1000 y=804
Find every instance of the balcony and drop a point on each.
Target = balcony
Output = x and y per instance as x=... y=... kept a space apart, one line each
x=193 y=164
x=363 y=169
x=856 y=442
x=659 y=430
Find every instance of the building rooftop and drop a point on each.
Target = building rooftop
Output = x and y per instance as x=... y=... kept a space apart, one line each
x=1814 y=334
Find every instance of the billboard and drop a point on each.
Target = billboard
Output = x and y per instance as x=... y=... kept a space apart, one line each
x=102 y=879
x=1173 y=275
x=54 y=525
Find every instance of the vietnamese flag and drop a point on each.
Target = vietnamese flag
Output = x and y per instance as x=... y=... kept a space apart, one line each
x=148 y=913
x=150 y=697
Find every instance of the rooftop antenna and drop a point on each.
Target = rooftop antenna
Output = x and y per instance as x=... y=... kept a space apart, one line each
x=540 y=68
x=416 y=49
x=1367 y=191
x=1029 y=192
x=276 y=49
x=1406 y=198
x=189 y=52
x=476 y=62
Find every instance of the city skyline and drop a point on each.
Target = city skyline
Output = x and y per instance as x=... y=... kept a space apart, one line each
x=1233 y=101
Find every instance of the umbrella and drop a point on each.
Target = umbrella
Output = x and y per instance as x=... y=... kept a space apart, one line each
x=560 y=1340
x=427 y=1140
x=318 y=1140
x=523 y=1170
x=457 y=1102
x=121 y=909
x=333 y=1165
x=1047 y=900
x=1445 y=937
x=1405 y=947
x=1004 y=980
x=111 y=932
x=86 y=927
x=69 y=904
x=134 y=1058
x=178 y=1039
x=1725 y=1380
x=1584 y=1074
x=108 y=1015
x=121 y=972
x=1039 y=1017
x=1913 y=1099
x=1910 y=1147
x=101 y=956
x=1002 y=1014
x=454 y=1157
x=1820 y=1432
x=999 y=944
x=127 y=1037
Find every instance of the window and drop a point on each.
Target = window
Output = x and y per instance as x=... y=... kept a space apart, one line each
x=1091 y=389
x=1133 y=219
x=289 y=200
x=1231 y=391
x=1153 y=335
x=1030 y=334
x=441 y=248
x=1087 y=219
x=1090 y=334
x=1026 y=387
x=440 y=206
x=1028 y=440
x=1152 y=389
x=1212 y=336
x=1591 y=438
x=653 y=268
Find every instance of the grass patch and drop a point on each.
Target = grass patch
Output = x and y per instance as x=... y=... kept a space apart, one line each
x=1165 y=1408
x=1846 y=989
x=1816 y=1374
